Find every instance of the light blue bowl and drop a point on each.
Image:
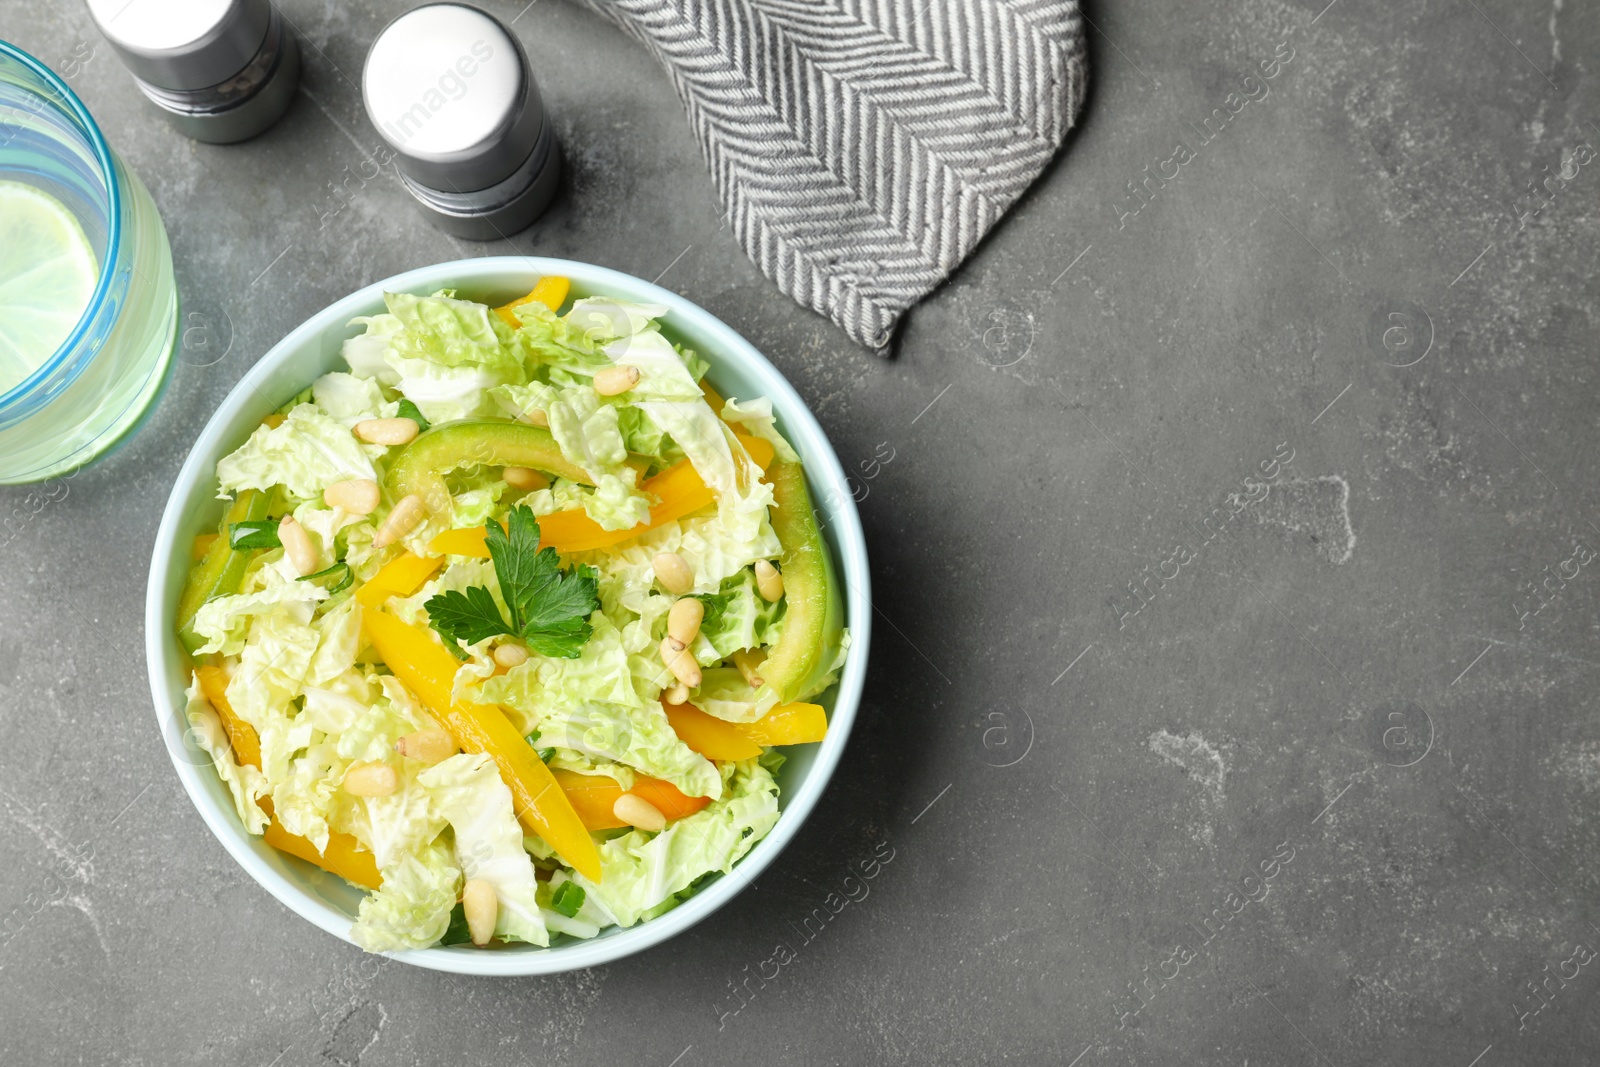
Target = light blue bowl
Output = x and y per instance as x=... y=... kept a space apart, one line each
x=312 y=349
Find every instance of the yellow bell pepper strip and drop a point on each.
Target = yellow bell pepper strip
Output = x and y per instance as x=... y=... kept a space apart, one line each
x=668 y=798
x=222 y=570
x=241 y=735
x=760 y=450
x=551 y=291
x=401 y=576
x=420 y=467
x=787 y=724
x=531 y=481
x=344 y=855
x=273 y=421
x=469 y=541
x=679 y=487
x=797 y=665
x=594 y=796
x=679 y=490
x=428 y=670
x=708 y=735
x=713 y=398
x=202 y=545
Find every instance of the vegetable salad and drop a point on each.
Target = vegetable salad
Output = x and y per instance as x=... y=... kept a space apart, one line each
x=508 y=623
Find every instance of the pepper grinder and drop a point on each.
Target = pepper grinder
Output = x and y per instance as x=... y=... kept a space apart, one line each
x=449 y=89
x=221 y=70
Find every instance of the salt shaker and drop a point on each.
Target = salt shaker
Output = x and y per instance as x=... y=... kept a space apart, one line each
x=221 y=70
x=448 y=87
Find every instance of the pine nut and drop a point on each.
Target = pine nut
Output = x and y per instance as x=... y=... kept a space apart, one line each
x=509 y=656
x=683 y=621
x=673 y=572
x=482 y=908
x=637 y=811
x=617 y=379
x=386 y=431
x=534 y=417
x=680 y=663
x=428 y=746
x=769 y=583
x=524 y=478
x=747 y=660
x=297 y=547
x=675 y=695
x=358 y=496
x=371 y=780
x=401 y=519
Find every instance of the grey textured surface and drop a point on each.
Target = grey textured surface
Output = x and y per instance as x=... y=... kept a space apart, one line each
x=1343 y=671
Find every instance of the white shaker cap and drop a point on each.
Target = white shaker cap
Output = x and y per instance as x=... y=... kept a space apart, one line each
x=184 y=45
x=448 y=87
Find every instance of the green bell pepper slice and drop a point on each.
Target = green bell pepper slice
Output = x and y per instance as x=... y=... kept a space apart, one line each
x=420 y=467
x=221 y=571
x=800 y=665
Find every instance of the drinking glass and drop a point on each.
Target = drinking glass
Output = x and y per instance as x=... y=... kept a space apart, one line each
x=106 y=375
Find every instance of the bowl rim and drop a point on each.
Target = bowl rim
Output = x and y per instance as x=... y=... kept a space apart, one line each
x=824 y=473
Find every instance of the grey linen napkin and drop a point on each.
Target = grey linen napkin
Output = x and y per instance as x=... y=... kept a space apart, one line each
x=862 y=149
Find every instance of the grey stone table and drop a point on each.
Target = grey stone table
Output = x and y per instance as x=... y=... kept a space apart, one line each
x=1232 y=516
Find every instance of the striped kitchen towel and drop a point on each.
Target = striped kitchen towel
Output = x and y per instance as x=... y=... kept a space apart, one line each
x=862 y=148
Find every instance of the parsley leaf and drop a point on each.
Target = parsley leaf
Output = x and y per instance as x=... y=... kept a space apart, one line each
x=515 y=552
x=470 y=616
x=550 y=607
x=556 y=607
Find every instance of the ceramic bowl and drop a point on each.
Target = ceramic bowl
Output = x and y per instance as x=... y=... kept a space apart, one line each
x=312 y=349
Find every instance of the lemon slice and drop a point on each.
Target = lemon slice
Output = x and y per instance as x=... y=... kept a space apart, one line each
x=48 y=272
